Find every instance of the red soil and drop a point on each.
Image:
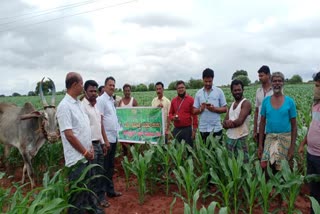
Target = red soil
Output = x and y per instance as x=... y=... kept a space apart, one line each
x=157 y=203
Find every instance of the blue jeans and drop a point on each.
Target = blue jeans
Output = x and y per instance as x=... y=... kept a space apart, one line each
x=97 y=183
x=84 y=201
x=313 y=167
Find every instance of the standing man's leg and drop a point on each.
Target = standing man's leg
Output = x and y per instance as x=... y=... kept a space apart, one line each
x=83 y=200
x=218 y=136
x=109 y=167
x=186 y=134
x=177 y=134
x=97 y=183
x=77 y=199
x=204 y=136
x=313 y=167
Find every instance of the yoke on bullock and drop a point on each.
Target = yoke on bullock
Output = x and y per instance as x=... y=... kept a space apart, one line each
x=27 y=129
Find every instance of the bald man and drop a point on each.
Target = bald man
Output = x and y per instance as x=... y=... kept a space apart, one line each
x=75 y=133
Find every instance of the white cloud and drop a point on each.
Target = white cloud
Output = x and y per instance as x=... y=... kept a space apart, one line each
x=149 y=40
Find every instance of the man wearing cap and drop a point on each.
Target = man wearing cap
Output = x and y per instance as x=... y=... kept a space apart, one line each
x=209 y=103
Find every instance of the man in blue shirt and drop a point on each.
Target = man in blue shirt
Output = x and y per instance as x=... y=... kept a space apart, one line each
x=209 y=103
x=278 y=118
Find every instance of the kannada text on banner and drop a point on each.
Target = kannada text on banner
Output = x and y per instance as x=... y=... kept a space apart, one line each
x=140 y=125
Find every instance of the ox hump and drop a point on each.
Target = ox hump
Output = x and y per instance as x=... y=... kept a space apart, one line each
x=27 y=108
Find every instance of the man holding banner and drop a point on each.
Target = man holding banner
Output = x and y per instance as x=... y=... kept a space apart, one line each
x=106 y=105
x=181 y=113
x=162 y=102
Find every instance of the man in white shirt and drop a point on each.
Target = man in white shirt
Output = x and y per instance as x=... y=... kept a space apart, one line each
x=262 y=92
x=237 y=120
x=76 y=139
x=162 y=102
x=106 y=105
x=99 y=138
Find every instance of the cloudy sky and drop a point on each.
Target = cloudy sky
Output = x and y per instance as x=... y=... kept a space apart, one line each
x=146 y=41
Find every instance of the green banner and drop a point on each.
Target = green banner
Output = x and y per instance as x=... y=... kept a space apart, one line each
x=141 y=125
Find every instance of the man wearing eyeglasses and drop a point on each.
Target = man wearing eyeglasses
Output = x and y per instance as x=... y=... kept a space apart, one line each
x=181 y=113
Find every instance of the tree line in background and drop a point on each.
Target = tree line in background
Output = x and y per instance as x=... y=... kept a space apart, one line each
x=191 y=84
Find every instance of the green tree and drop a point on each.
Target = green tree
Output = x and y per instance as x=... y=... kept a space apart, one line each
x=195 y=83
x=142 y=87
x=133 y=88
x=31 y=93
x=151 y=87
x=239 y=73
x=244 y=79
x=295 y=79
x=172 y=85
x=15 y=94
x=243 y=76
x=46 y=87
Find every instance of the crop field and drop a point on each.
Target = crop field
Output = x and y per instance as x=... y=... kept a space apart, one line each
x=178 y=171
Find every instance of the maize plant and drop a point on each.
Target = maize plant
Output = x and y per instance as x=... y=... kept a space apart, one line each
x=177 y=155
x=125 y=165
x=210 y=210
x=265 y=189
x=221 y=175
x=200 y=159
x=251 y=185
x=292 y=181
x=236 y=167
x=186 y=178
x=315 y=205
x=139 y=166
x=163 y=151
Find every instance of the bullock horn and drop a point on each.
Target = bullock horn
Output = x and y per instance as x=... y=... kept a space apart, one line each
x=44 y=102
x=53 y=93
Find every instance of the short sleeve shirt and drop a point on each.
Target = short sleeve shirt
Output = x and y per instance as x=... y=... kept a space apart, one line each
x=95 y=120
x=278 y=120
x=71 y=115
x=106 y=105
x=210 y=121
x=314 y=132
x=259 y=98
x=166 y=106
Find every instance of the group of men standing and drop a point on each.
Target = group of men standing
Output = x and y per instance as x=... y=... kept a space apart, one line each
x=89 y=136
x=89 y=128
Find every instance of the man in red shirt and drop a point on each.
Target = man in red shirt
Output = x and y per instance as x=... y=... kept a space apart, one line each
x=184 y=121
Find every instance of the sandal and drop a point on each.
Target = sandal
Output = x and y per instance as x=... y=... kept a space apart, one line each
x=105 y=204
x=114 y=194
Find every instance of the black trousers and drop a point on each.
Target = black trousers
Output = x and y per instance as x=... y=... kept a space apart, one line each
x=99 y=181
x=183 y=133
x=109 y=167
x=204 y=136
x=84 y=201
x=313 y=167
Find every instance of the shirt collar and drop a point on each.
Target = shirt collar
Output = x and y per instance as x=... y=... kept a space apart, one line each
x=109 y=97
x=71 y=99
x=86 y=101
x=205 y=89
